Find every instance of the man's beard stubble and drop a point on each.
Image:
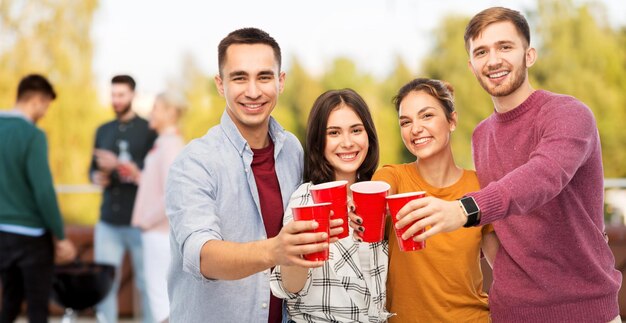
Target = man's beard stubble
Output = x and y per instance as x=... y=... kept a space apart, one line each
x=127 y=108
x=517 y=78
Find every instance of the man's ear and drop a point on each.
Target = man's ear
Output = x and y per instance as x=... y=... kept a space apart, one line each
x=531 y=56
x=281 y=81
x=470 y=66
x=219 y=84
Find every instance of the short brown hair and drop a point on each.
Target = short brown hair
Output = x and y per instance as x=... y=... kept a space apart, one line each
x=34 y=84
x=124 y=79
x=316 y=168
x=439 y=90
x=492 y=15
x=246 y=36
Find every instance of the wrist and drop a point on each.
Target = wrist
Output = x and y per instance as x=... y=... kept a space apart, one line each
x=462 y=215
x=267 y=248
x=470 y=210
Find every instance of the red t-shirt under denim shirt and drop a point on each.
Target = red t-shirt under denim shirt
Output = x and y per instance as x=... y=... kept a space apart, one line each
x=271 y=207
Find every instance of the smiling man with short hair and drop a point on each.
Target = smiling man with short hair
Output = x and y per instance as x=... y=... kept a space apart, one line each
x=226 y=193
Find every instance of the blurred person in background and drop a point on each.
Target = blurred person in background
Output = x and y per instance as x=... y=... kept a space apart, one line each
x=31 y=226
x=149 y=211
x=127 y=137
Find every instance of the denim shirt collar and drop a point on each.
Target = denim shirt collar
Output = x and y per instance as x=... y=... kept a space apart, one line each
x=277 y=133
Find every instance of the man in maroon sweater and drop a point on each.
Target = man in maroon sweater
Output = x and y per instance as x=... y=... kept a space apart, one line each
x=539 y=161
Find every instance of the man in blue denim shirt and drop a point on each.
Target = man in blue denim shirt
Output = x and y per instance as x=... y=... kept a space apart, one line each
x=226 y=193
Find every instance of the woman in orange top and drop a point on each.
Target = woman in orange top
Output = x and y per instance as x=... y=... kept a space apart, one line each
x=443 y=282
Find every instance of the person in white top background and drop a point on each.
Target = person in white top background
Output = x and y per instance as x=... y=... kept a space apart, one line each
x=149 y=210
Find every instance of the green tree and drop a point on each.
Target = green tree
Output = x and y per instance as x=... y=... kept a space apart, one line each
x=205 y=104
x=301 y=90
x=581 y=55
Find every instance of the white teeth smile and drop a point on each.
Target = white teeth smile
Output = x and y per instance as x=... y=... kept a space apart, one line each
x=252 y=106
x=347 y=156
x=421 y=140
x=500 y=74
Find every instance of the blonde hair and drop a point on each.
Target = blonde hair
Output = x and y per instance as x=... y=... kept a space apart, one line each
x=174 y=99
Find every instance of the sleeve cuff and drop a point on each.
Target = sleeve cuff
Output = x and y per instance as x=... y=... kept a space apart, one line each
x=490 y=202
x=191 y=253
x=278 y=289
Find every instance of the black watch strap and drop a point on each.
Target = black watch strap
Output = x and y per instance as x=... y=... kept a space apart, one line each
x=469 y=206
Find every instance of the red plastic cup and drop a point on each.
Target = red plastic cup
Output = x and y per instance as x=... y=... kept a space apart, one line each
x=369 y=200
x=321 y=214
x=123 y=169
x=336 y=193
x=396 y=202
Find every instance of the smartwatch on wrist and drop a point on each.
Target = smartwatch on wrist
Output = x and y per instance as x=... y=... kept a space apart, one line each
x=471 y=210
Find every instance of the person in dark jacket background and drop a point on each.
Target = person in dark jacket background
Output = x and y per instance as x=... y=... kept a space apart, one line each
x=127 y=138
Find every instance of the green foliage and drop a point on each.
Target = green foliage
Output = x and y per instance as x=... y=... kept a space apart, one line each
x=205 y=106
x=301 y=90
x=581 y=56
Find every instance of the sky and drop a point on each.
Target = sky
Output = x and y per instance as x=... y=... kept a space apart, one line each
x=148 y=39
